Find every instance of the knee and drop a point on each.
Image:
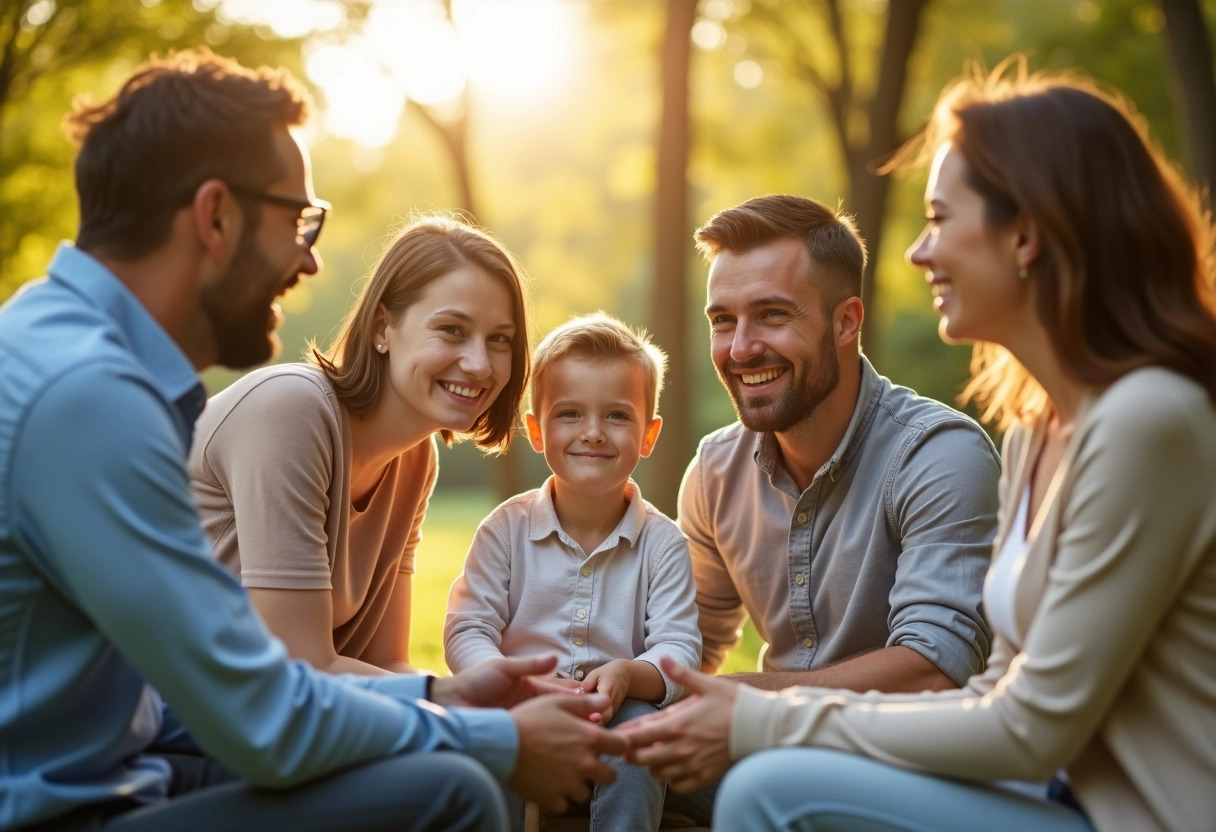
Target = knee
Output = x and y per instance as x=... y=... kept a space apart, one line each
x=467 y=782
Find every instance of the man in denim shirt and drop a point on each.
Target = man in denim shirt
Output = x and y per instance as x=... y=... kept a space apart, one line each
x=849 y=518
x=197 y=211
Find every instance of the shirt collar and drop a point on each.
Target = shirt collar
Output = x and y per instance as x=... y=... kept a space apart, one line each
x=543 y=519
x=168 y=366
x=868 y=393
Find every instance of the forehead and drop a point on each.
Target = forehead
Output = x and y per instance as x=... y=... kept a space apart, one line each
x=470 y=291
x=947 y=174
x=613 y=379
x=297 y=165
x=781 y=268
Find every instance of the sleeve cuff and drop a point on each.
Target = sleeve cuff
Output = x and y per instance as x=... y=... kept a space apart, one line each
x=492 y=739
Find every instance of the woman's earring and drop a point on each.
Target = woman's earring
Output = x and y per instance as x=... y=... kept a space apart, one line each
x=1023 y=273
x=379 y=347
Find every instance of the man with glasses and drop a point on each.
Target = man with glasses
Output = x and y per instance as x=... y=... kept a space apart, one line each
x=197 y=212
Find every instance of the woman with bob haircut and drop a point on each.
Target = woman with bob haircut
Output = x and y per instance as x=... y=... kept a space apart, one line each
x=313 y=479
x=1065 y=246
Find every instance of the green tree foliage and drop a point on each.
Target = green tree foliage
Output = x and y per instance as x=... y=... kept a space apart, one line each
x=51 y=51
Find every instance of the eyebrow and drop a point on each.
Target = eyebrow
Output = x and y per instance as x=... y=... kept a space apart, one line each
x=623 y=404
x=464 y=316
x=758 y=303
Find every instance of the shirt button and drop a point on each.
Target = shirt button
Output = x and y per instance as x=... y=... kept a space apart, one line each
x=798 y=579
x=578 y=674
x=578 y=642
x=586 y=571
x=581 y=613
x=801 y=517
x=808 y=642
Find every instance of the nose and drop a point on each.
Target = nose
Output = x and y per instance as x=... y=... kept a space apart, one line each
x=592 y=432
x=744 y=344
x=918 y=253
x=475 y=359
x=312 y=261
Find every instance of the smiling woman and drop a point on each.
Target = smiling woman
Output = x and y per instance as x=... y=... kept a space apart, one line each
x=313 y=479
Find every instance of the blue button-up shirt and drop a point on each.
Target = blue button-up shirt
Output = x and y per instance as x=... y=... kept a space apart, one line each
x=109 y=598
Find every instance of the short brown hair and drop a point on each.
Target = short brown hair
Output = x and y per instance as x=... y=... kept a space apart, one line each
x=600 y=337
x=424 y=251
x=831 y=237
x=177 y=122
x=1124 y=274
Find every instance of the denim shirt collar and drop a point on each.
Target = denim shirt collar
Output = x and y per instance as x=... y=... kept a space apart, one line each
x=168 y=366
x=543 y=520
x=869 y=393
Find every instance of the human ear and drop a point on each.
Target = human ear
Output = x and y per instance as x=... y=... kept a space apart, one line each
x=846 y=320
x=215 y=218
x=1027 y=242
x=534 y=435
x=380 y=324
x=651 y=436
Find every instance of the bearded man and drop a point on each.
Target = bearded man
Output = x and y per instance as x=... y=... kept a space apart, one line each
x=850 y=518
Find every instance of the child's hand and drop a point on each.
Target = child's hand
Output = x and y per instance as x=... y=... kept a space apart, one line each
x=612 y=680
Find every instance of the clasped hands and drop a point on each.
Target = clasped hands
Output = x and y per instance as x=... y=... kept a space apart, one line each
x=560 y=743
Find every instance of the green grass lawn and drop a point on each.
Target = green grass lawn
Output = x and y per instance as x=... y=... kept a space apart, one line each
x=450 y=522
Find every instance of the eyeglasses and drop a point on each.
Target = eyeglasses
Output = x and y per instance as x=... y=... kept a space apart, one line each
x=312 y=214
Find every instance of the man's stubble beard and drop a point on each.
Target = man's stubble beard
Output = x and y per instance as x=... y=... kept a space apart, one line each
x=815 y=379
x=243 y=336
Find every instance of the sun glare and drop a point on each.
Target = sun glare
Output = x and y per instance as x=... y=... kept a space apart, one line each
x=512 y=53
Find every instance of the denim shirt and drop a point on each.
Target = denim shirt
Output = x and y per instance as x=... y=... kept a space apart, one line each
x=888 y=545
x=109 y=598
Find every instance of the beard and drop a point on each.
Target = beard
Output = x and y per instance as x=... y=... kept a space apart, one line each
x=241 y=309
x=814 y=379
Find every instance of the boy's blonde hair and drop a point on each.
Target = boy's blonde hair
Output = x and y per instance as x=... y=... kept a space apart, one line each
x=597 y=337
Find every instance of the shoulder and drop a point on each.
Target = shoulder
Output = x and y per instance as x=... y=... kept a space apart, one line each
x=927 y=421
x=513 y=511
x=659 y=525
x=276 y=397
x=1153 y=411
x=725 y=447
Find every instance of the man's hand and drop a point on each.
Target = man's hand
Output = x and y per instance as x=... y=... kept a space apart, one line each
x=688 y=743
x=498 y=683
x=559 y=750
x=612 y=680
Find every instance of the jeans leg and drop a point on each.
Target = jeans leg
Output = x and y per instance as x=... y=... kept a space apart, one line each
x=802 y=789
x=443 y=790
x=697 y=805
x=634 y=802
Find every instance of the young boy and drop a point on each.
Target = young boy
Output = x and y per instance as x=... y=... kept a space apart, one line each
x=583 y=566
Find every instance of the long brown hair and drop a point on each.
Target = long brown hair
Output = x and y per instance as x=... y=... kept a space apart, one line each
x=1124 y=274
x=426 y=250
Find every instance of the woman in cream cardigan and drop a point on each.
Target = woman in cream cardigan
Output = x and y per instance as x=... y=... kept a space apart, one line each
x=1072 y=253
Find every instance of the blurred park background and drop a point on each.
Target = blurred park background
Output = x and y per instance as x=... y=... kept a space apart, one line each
x=592 y=137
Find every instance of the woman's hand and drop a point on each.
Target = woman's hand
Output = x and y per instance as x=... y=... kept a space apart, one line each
x=688 y=743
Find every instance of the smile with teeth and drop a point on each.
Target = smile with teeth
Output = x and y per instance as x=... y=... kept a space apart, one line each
x=760 y=377
x=460 y=390
x=940 y=287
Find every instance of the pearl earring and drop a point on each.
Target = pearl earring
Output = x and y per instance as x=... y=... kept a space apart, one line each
x=379 y=347
x=1023 y=273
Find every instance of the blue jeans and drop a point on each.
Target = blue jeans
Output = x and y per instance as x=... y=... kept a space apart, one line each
x=443 y=790
x=633 y=803
x=804 y=789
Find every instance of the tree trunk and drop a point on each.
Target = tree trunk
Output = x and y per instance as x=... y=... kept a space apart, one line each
x=1190 y=52
x=867 y=190
x=668 y=314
